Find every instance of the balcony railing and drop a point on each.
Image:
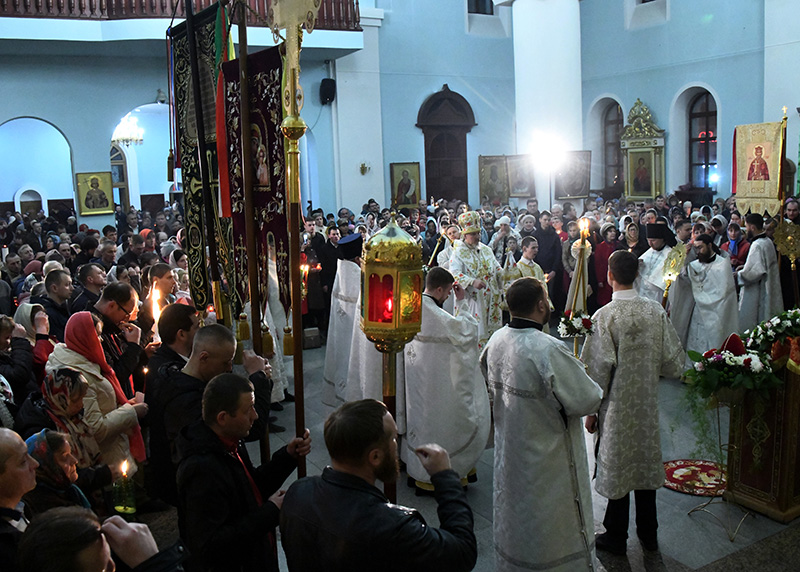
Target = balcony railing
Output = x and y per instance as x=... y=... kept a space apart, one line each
x=332 y=15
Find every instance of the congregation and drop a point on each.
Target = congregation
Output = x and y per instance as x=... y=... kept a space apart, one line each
x=108 y=371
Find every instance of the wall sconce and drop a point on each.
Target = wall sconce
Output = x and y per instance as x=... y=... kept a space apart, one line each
x=365 y=168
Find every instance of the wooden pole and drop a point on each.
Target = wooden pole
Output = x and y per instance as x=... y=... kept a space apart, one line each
x=390 y=400
x=249 y=207
x=208 y=205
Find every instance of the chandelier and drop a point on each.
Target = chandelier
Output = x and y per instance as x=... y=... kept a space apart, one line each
x=128 y=132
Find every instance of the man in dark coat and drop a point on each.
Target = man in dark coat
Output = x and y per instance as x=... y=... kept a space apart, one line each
x=341 y=521
x=549 y=258
x=228 y=508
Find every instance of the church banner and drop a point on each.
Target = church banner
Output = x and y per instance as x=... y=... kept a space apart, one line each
x=269 y=193
x=757 y=159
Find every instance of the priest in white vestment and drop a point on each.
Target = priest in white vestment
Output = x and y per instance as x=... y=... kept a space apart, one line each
x=542 y=496
x=446 y=398
x=477 y=271
x=343 y=319
x=650 y=283
x=706 y=294
x=275 y=316
x=453 y=233
x=760 y=295
x=633 y=345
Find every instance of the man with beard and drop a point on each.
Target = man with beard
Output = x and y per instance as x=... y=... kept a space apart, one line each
x=342 y=521
x=703 y=299
x=549 y=258
x=792 y=216
x=760 y=294
x=478 y=272
x=651 y=264
x=540 y=394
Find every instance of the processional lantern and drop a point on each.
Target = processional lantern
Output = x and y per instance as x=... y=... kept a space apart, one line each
x=391 y=303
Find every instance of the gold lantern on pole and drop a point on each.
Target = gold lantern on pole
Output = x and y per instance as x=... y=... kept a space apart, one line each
x=391 y=303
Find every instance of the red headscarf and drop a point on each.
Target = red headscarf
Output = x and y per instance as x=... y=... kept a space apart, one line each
x=145 y=232
x=80 y=336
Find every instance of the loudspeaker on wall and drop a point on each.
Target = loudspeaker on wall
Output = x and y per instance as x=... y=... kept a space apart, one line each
x=327 y=90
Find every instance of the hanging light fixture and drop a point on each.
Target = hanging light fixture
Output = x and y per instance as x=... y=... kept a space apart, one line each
x=128 y=132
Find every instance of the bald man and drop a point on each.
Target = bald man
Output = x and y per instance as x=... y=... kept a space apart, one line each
x=178 y=401
x=17 y=477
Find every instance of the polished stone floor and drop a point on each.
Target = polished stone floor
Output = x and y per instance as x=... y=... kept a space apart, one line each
x=688 y=542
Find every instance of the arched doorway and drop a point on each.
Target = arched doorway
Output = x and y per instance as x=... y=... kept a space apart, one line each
x=445 y=119
x=30 y=201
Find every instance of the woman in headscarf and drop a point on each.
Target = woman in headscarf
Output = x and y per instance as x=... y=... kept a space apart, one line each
x=112 y=419
x=56 y=474
x=149 y=239
x=178 y=259
x=737 y=246
x=433 y=240
x=633 y=241
x=33 y=318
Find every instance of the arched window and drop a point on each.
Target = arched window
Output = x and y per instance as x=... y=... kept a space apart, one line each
x=703 y=141
x=612 y=157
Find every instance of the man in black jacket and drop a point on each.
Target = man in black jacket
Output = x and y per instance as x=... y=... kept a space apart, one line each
x=228 y=508
x=341 y=522
x=58 y=284
x=16 y=359
x=17 y=477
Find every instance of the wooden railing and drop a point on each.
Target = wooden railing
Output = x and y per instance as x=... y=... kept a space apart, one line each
x=332 y=15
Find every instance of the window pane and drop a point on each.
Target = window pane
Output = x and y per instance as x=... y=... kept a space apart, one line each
x=712 y=152
x=699 y=176
x=698 y=127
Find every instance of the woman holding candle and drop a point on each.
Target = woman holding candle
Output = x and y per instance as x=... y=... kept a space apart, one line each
x=112 y=419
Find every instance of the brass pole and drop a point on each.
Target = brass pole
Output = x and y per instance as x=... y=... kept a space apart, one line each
x=390 y=400
x=249 y=207
x=294 y=128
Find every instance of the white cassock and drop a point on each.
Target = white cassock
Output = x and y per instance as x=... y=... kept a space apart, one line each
x=633 y=345
x=276 y=320
x=543 y=516
x=706 y=293
x=470 y=263
x=344 y=317
x=650 y=282
x=760 y=295
x=446 y=398
x=365 y=372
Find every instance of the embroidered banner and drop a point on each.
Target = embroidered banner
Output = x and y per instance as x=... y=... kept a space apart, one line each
x=757 y=160
x=269 y=194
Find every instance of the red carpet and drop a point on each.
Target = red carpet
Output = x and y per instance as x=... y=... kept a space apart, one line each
x=693 y=477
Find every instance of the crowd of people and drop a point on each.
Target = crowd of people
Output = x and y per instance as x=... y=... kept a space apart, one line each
x=108 y=372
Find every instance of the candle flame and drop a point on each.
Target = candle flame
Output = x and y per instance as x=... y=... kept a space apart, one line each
x=584 y=224
x=155 y=296
x=124 y=468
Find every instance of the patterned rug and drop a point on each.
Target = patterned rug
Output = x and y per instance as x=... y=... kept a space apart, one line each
x=693 y=477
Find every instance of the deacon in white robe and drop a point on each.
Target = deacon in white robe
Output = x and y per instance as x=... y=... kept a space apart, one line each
x=365 y=372
x=477 y=271
x=650 y=283
x=542 y=496
x=453 y=233
x=706 y=294
x=276 y=320
x=760 y=295
x=446 y=398
x=343 y=320
x=634 y=344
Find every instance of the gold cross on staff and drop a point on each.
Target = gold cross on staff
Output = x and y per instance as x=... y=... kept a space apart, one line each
x=784 y=110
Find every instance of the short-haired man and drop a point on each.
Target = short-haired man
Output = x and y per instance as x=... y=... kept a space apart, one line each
x=540 y=393
x=13 y=268
x=106 y=255
x=162 y=285
x=683 y=230
x=177 y=326
x=633 y=345
x=228 y=508
x=760 y=295
x=454 y=411
x=110 y=233
x=92 y=277
x=134 y=252
x=17 y=477
x=117 y=308
x=58 y=285
x=341 y=521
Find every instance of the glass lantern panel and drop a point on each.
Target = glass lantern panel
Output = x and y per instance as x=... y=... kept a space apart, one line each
x=381 y=299
x=410 y=298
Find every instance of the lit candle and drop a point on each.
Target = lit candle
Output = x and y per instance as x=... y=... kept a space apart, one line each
x=123 y=491
x=155 y=296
